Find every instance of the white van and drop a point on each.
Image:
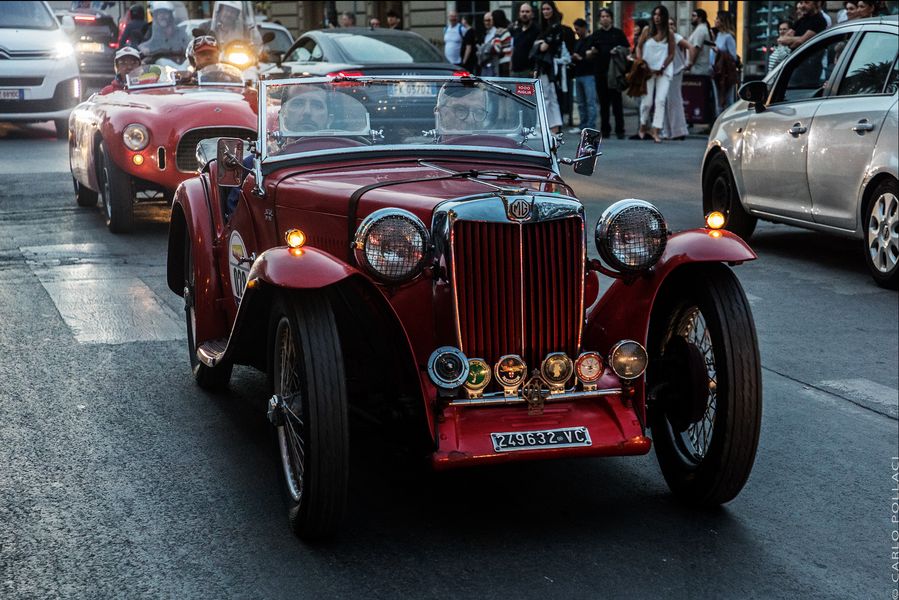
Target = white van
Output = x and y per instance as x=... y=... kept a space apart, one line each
x=38 y=69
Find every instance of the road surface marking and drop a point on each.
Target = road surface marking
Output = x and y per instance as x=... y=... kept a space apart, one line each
x=866 y=392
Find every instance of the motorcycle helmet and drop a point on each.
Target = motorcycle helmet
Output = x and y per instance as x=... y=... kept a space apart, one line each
x=199 y=44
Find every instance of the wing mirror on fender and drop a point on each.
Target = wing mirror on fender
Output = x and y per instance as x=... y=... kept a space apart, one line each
x=755 y=92
x=229 y=162
x=587 y=150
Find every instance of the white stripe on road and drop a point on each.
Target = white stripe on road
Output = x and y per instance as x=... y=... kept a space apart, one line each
x=99 y=298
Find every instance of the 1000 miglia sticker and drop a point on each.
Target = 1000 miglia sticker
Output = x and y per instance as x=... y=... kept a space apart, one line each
x=239 y=270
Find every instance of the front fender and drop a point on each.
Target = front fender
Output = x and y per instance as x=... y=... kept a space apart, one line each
x=301 y=269
x=623 y=312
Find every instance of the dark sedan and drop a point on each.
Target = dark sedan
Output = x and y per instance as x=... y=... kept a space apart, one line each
x=362 y=51
x=96 y=40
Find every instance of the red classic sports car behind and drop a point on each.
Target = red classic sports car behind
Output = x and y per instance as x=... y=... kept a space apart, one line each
x=407 y=247
x=138 y=144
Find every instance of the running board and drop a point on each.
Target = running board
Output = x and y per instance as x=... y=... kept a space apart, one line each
x=210 y=353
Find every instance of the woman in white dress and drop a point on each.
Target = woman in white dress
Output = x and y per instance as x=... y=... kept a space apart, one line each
x=656 y=47
x=675 y=127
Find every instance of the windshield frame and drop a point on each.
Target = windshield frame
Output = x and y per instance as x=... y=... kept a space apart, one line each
x=268 y=161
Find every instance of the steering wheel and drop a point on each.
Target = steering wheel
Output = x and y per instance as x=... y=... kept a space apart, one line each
x=310 y=144
x=481 y=139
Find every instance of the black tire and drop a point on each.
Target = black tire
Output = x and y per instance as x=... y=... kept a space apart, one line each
x=84 y=196
x=312 y=425
x=707 y=462
x=881 y=231
x=719 y=192
x=209 y=378
x=62 y=129
x=116 y=193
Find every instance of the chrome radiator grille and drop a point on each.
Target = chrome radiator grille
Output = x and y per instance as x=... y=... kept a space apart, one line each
x=518 y=288
x=186 y=153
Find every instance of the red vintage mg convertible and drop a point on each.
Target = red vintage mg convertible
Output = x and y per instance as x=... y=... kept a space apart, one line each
x=407 y=248
x=139 y=143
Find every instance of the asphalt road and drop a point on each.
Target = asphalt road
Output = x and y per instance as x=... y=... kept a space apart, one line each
x=120 y=478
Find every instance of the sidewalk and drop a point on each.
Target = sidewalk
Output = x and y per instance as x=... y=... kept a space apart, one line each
x=632 y=124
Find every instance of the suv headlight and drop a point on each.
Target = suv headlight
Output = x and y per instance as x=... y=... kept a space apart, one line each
x=63 y=50
x=631 y=235
x=136 y=137
x=392 y=244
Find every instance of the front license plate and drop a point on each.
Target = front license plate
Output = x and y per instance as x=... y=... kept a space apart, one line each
x=93 y=47
x=12 y=94
x=569 y=437
x=407 y=89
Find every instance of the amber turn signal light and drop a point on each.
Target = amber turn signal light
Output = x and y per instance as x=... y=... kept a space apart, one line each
x=715 y=220
x=138 y=159
x=295 y=238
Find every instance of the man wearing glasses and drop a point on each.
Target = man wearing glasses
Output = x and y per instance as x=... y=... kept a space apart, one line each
x=461 y=109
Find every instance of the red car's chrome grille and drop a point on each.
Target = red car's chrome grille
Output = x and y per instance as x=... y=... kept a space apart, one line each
x=518 y=288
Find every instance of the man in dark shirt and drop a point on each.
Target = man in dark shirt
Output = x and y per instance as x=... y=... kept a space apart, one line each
x=524 y=34
x=811 y=23
x=583 y=70
x=605 y=39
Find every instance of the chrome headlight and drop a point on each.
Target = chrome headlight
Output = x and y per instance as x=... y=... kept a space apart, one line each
x=392 y=244
x=136 y=137
x=628 y=359
x=631 y=235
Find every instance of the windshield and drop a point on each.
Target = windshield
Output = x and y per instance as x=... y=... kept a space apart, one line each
x=305 y=116
x=150 y=75
x=26 y=15
x=282 y=41
x=388 y=49
x=166 y=37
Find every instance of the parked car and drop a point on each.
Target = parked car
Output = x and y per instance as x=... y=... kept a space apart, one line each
x=438 y=282
x=360 y=51
x=39 y=78
x=95 y=38
x=139 y=144
x=815 y=144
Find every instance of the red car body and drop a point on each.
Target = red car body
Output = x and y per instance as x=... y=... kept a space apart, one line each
x=176 y=117
x=233 y=266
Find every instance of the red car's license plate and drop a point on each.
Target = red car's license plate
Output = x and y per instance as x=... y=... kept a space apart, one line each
x=569 y=437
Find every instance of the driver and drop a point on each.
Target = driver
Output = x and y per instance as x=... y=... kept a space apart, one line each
x=126 y=60
x=201 y=52
x=165 y=36
x=461 y=108
x=305 y=109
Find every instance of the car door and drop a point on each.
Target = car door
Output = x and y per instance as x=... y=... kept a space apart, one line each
x=846 y=127
x=775 y=141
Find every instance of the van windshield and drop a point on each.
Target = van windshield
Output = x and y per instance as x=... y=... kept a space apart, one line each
x=26 y=15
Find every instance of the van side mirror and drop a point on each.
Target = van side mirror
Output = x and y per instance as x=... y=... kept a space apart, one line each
x=229 y=162
x=755 y=92
x=67 y=24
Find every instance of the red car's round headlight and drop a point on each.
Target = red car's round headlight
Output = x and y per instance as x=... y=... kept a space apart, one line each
x=392 y=244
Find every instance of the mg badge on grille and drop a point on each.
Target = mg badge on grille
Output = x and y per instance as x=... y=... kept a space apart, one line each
x=519 y=209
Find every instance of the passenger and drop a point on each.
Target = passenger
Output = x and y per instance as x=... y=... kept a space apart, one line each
x=126 y=60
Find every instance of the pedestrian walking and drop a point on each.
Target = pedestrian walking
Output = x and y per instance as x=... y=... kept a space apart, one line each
x=453 y=34
x=675 y=125
x=656 y=48
x=486 y=58
x=524 y=35
x=545 y=50
x=502 y=44
x=726 y=64
x=606 y=39
x=584 y=73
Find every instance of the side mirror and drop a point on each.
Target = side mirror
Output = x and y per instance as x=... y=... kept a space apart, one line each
x=755 y=92
x=67 y=24
x=229 y=162
x=587 y=151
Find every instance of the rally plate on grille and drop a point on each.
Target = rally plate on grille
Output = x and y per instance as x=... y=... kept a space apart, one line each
x=569 y=437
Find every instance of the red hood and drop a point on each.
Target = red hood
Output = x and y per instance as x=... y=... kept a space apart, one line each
x=328 y=190
x=168 y=99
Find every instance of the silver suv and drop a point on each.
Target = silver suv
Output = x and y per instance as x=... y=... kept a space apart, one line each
x=815 y=144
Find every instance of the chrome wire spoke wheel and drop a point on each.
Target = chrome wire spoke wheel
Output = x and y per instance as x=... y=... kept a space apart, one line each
x=693 y=444
x=291 y=431
x=883 y=233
